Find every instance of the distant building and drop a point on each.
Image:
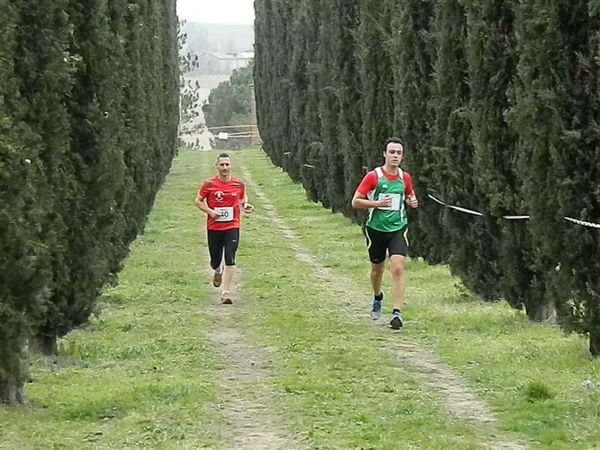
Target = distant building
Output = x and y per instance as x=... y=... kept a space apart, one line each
x=212 y=63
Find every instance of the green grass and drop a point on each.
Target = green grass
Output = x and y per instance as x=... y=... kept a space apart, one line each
x=494 y=347
x=337 y=389
x=145 y=374
x=141 y=373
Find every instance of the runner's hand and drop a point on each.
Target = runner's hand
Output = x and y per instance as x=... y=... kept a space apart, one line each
x=247 y=207
x=413 y=202
x=384 y=202
x=214 y=214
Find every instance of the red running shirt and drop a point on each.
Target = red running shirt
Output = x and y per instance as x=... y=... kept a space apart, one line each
x=224 y=198
x=369 y=182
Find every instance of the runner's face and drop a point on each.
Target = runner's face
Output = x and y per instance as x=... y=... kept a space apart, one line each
x=393 y=154
x=224 y=166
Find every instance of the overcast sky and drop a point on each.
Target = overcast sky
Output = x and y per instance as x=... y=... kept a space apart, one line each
x=216 y=11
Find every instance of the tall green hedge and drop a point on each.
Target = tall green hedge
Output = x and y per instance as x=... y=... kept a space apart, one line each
x=25 y=270
x=88 y=128
x=497 y=104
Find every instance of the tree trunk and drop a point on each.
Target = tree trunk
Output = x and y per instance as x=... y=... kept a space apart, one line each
x=595 y=344
x=541 y=313
x=11 y=384
x=44 y=344
x=11 y=390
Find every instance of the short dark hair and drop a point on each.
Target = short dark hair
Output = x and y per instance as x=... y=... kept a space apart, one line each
x=223 y=155
x=392 y=140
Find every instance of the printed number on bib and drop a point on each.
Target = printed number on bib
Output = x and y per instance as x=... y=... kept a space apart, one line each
x=395 y=206
x=225 y=214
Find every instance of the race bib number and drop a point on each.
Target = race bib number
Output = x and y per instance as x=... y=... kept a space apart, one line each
x=395 y=206
x=225 y=214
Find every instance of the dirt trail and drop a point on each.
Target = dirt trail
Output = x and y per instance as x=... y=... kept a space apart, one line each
x=460 y=399
x=251 y=423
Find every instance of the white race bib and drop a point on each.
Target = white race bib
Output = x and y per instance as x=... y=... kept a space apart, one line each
x=395 y=202
x=225 y=214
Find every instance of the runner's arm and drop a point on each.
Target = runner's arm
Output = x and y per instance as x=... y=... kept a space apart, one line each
x=411 y=197
x=360 y=200
x=200 y=202
x=246 y=206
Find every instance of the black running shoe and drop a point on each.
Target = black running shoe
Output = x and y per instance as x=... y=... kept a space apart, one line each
x=396 y=321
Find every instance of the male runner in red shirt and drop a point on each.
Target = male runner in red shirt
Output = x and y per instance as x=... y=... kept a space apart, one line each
x=220 y=198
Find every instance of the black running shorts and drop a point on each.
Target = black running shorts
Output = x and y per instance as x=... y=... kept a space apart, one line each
x=381 y=242
x=223 y=241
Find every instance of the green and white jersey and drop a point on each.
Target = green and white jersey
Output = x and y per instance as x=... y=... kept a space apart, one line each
x=392 y=218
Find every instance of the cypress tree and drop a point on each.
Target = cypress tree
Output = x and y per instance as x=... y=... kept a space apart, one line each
x=168 y=38
x=45 y=76
x=576 y=287
x=492 y=67
x=335 y=50
x=91 y=214
x=72 y=147
x=451 y=152
x=24 y=197
x=262 y=59
x=148 y=68
x=147 y=158
x=469 y=236
x=377 y=106
x=272 y=83
x=295 y=66
x=305 y=125
x=412 y=54
x=497 y=102
x=280 y=83
x=117 y=165
x=349 y=99
x=540 y=112
x=138 y=173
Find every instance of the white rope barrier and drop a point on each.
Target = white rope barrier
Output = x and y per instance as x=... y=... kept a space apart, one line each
x=516 y=217
x=458 y=208
x=522 y=217
x=583 y=222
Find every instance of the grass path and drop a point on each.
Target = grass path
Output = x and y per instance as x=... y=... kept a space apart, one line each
x=459 y=399
x=296 y=363
x=250 y=421
x=537 y=385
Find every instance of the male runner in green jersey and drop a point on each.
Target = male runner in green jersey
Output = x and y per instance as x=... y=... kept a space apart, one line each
x=385 y=192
